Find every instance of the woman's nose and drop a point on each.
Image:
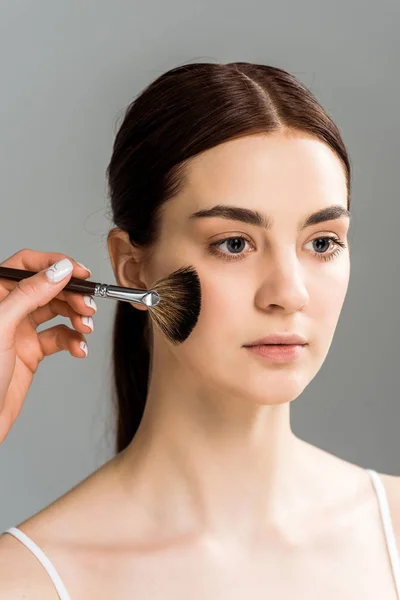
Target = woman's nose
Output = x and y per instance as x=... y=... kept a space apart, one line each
x=284 y=286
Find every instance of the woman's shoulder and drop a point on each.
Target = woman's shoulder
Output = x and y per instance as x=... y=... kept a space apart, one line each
x=21 y=575
x=58 y=530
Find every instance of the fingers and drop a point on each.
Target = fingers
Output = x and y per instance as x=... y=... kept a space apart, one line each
x=30 y=293
x=43 y=300
x=57 y=307
x=52 y=340
x=33 y=260
x=60 y=337
x=27 y=296
x=28 y=303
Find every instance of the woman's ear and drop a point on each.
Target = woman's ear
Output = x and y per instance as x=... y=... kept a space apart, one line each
x=126 y=261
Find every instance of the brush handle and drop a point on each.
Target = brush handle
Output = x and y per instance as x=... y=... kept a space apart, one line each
x=100 y=290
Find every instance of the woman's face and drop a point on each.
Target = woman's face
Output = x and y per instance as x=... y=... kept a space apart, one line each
x=263 y=280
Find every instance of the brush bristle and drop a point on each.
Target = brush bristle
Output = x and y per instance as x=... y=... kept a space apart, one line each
x=180 y=301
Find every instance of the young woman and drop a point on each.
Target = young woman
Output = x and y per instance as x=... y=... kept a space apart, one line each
x=236 y=170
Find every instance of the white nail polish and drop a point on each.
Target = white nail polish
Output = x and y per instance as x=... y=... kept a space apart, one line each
x=83 y=266
x=59 y=270
x=84 y=347
x=88 y=321
x=88 y=300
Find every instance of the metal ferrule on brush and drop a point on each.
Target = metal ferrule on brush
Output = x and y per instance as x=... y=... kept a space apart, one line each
x=147 y=297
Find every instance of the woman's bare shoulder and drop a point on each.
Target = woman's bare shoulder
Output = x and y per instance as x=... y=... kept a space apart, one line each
x=21 y=574
x=55 y=529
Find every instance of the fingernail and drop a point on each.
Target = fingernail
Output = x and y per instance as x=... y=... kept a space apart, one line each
x=59 y=270
x=88 y=300
x=81 y=265
x=88 y=321
x=84 y=347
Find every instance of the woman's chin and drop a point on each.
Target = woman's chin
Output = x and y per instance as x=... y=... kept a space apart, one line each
x=275 y=389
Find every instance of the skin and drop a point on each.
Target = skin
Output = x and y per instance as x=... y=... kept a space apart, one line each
x=216 y=497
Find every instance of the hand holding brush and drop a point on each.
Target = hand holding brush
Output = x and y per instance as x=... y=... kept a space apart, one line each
x=37 y=286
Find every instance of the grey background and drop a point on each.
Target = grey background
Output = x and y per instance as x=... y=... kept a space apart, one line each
x=68 y=70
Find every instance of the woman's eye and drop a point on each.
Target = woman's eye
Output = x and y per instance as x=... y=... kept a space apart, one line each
x=329 y=242
x=235 y=246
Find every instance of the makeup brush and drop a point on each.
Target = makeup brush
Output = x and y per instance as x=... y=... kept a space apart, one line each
x=173 y=301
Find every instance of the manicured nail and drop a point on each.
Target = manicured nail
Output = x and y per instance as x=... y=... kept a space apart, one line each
x=59 y=270
x=88 y=321
x=83 y=346
x=88 y=300
x=81 y=265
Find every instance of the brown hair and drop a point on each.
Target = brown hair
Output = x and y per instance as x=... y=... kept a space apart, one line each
x=185 y=111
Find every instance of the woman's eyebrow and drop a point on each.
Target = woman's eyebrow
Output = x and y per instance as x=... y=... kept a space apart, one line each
x=254 y=217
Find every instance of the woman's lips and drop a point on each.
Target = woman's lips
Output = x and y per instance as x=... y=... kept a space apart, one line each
x=278 y=353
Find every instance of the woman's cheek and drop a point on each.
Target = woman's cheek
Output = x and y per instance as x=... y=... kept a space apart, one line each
x=329 y=294
x=220 y=308
x=324 y=308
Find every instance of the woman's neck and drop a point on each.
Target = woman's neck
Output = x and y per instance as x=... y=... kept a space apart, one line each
x=220 y=467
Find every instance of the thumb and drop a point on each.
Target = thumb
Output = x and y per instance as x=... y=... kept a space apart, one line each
x=32 y=292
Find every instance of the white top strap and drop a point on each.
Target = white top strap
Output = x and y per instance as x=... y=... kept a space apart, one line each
x=42 y=558
x=387 y=526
